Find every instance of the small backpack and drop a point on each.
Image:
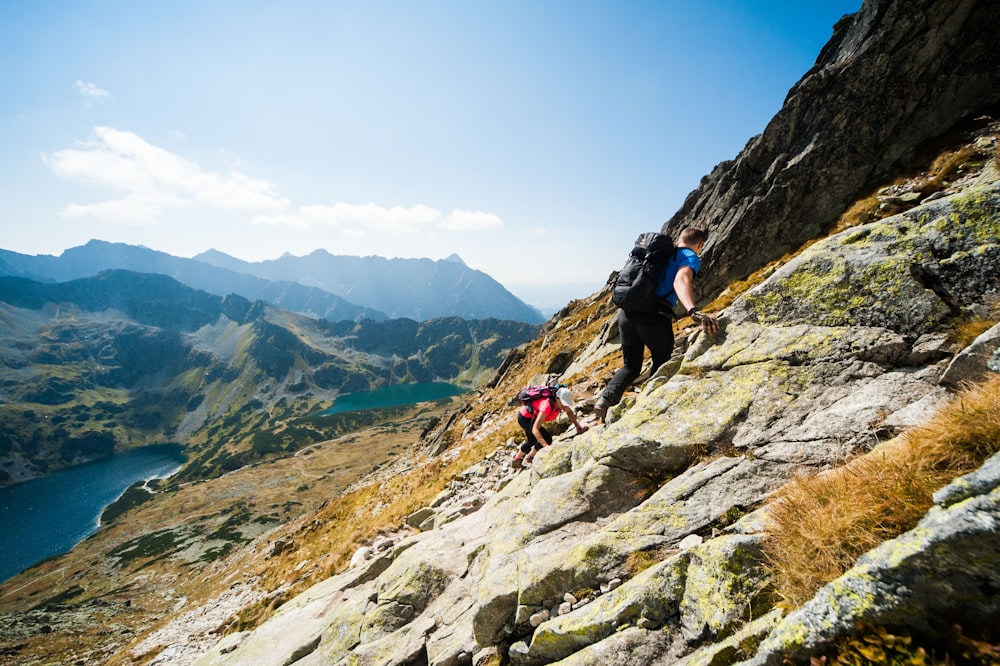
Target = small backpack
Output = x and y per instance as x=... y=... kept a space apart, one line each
x=529 y=394
x=635 y=287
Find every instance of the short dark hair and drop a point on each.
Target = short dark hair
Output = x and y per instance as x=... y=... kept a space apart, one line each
x=693 y=236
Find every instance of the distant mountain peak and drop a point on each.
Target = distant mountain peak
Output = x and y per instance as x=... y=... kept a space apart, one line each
x=220 y=259
x=454 y=258
x=211 y=253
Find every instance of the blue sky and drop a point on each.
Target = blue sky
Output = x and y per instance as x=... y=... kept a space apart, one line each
x=534 y=139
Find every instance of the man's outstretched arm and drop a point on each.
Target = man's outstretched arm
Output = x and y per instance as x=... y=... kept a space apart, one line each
x=684 y=288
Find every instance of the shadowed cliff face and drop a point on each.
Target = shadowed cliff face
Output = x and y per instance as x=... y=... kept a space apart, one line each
x=895 y=75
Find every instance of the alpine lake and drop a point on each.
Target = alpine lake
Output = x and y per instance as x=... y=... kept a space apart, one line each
x=50 y=515
x=393 y=396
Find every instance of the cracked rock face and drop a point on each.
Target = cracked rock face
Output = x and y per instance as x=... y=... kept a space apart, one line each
x=893 y=76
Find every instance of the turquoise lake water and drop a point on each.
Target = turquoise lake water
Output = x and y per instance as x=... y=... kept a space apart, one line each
x=394 y=396
x=48 y=516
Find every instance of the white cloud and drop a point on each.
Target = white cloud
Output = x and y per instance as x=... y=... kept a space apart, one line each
x=229 y=159
x=471 y=220
x=356 y=219
x=235 y=192
x=88 y=89
x=397 y=219
x=91 y=91
x=541 y=231
x=134 y=209
x=153 y=179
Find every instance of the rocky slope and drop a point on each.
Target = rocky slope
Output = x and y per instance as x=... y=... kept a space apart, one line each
x=640 y=540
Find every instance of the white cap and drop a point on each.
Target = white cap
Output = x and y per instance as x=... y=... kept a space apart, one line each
x=566 y=397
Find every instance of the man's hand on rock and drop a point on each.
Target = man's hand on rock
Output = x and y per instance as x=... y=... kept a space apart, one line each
x=708 y=324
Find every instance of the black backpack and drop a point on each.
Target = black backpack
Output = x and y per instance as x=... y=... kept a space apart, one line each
x=635 y=287
x=529 y=394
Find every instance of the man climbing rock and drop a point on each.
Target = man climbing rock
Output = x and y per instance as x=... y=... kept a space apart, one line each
x=639 y=330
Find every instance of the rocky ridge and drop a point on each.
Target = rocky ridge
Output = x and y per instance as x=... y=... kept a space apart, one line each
x=893 y=77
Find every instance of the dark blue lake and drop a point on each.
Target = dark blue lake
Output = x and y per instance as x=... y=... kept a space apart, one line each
x=48 y=516
x=394 y=396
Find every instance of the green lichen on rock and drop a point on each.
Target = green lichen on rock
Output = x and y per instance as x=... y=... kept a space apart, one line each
x=495 y=598
x=741 y=645
x=891 y=273
x=545 y=576
x=343 y=630
x=414 y=579
x=643 y=440
x=978 y=212
x=653 y=594
x=837 y=290
x=726 y=585
x=713 y=588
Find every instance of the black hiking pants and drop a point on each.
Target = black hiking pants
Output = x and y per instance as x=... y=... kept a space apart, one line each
x=527 y=422
x=639 y=330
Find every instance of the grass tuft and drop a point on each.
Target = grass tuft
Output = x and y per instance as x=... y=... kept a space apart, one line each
x=862 y=211
x=641 y=560
x=950 y=164
x=969 y=328
x=821 y=524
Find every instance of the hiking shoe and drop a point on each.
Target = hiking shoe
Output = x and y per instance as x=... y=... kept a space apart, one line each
x=601 y=408
x=516 y=463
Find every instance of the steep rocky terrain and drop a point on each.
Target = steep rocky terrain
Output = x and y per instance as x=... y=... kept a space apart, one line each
x=645 y=539
x=894 y=76
x=640 y=541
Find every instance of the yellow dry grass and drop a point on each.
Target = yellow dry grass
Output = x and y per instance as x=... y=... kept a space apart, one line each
x=950 y=164
x=967 y=329
x=821 y=524
x=862 y=211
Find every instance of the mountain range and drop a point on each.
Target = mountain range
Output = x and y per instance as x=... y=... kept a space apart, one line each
x=318 y=285
x=121 y=359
